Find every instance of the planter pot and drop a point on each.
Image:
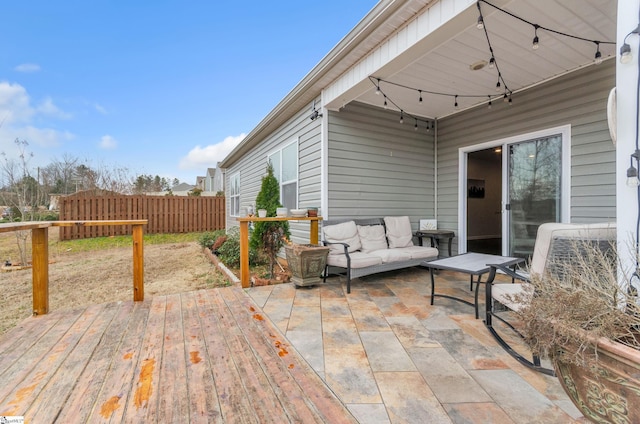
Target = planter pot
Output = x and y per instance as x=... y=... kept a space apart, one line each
x=608 y=388
x=262 y=213
x=306 y=263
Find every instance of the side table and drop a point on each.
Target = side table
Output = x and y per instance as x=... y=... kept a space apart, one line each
x=436 y=236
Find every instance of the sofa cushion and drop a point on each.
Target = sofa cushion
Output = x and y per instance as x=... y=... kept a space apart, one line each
x=391 y=255
x=345 y=232
x=358 y=260
x=420 y=252
x=399 y=231
x=372 y=237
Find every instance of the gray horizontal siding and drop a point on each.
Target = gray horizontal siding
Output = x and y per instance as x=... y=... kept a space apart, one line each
x=578 y=99
x=378 y=167
x=252 y=167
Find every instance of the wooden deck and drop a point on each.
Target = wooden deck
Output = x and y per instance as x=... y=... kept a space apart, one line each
x=204 y=356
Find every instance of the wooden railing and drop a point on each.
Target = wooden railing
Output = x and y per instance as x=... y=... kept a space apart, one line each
x=40 y=255
x=244 y=239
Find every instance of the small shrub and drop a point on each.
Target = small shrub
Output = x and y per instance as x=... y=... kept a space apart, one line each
x=229 y=252
x=208 y=238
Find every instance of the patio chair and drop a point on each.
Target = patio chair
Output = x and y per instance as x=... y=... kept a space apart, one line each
x=554 y=248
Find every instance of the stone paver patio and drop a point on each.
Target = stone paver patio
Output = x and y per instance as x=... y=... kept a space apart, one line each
x=391 y=357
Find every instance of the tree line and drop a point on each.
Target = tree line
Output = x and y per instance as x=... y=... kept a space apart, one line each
x=25 y=188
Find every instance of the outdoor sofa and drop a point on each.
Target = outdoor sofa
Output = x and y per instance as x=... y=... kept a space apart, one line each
x=360 y=247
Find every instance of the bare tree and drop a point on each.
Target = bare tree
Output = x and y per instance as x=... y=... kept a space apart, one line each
x=20 y=191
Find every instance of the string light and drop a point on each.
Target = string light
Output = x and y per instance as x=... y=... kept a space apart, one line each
x=501 y=85
x=416 y=125
x=625 y=49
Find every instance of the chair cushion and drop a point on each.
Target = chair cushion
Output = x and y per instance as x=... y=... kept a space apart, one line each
x=420 y=252
x=391 y=255
x=399 y=232
x=358 y=260
x=547 y=231
x=372 y=237
x=345 y=232
x=513 y=296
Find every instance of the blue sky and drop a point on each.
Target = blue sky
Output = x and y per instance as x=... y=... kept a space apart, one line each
x=163 y=88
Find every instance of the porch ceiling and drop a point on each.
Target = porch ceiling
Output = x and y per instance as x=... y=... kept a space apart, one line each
x=445 y=67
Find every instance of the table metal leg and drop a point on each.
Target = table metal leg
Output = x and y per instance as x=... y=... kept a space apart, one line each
x=432 y=285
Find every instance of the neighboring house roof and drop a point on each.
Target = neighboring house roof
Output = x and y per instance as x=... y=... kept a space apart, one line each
x=182 y=187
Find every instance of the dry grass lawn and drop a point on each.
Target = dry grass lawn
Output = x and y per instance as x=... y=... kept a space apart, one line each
x=81 y=278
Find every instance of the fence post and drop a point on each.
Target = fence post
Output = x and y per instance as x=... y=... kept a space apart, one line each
x=40 y=269
x=138 y=263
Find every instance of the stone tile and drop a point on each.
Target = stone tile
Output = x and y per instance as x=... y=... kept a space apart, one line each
x=335 y=308
x=477 y=413
x=309 y=345
x=369 y=413
x=307 y=296
x=409 y=399
x=385 y=352
x=467 y=351
x=447 y=379
x=369 y=318
x=392 y=307
x=305 y=318
x=411 y=332
x=260 y=294
x=439 y=319
x=348 y=374
x=518 y=399
x=341 y=335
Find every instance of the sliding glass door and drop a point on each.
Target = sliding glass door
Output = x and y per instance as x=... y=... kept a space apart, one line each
x=534 y=192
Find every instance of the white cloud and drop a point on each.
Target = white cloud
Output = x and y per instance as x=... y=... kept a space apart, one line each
x=46 y=107
x=108 y=143
x=208 y=156
x=100 y=109
x=27 y=67
x=17 y=116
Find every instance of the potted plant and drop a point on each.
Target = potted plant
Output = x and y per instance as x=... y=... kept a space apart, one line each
x=587 y=323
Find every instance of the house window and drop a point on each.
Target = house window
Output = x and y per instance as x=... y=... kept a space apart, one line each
x=234 y=194
x=285 y=169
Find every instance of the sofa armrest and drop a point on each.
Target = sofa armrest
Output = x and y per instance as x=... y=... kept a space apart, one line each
x=345 y=245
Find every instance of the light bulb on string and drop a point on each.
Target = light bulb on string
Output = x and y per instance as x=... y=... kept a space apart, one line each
x=489 y=104
x=492 y=63
x=480 y=24
x=378 y=87
x=536 y=40
x=420 y=98
x=401 y=116
x=455 y=105
x=385 y=101
x=498 y=87
x=415 y=127
x=598 y=55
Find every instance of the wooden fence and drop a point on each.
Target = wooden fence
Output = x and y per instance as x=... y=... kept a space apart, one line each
x=165 y=214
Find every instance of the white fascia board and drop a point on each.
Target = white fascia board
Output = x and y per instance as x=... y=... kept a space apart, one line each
x=437 y=23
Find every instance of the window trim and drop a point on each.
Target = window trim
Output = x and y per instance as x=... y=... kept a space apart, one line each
x=233 y=196
x=278 y=172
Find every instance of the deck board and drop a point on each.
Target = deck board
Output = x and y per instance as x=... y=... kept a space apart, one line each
x=204 y=356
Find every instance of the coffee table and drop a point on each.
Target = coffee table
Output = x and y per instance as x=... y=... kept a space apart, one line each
x=474 y=264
